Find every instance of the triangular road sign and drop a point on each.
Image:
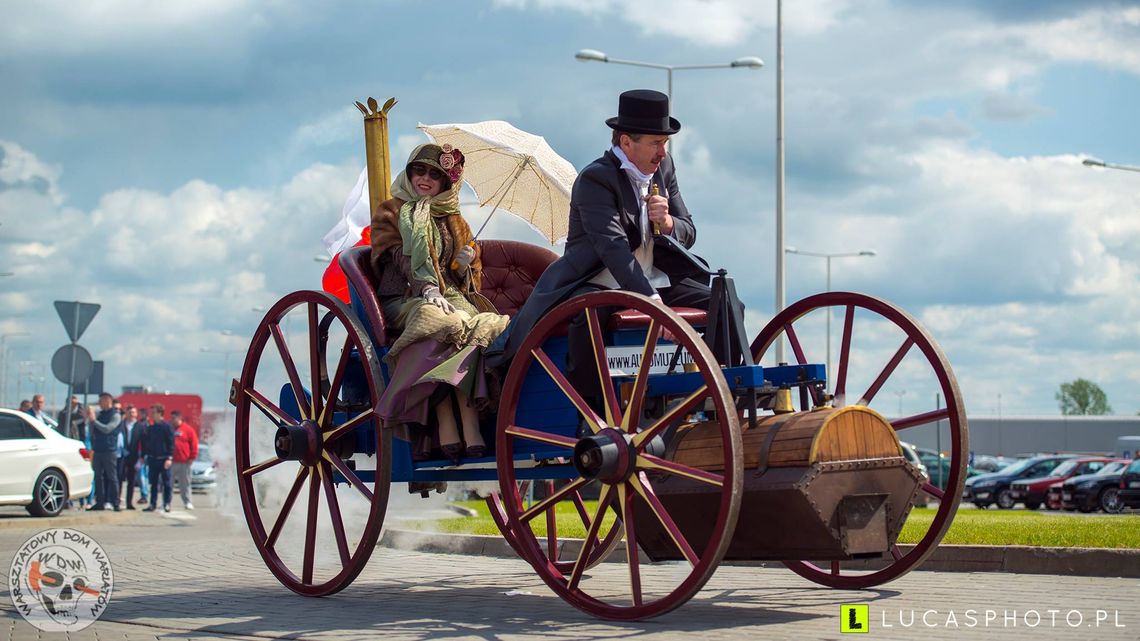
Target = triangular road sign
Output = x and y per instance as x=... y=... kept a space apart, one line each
x=76 y=316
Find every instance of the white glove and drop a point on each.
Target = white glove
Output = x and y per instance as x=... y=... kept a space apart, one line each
x=465 y=256
x=432 y=296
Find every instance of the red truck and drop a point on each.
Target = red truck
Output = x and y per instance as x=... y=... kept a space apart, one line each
x=189 y=404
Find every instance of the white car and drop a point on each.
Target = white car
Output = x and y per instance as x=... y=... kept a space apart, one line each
x=39 y=467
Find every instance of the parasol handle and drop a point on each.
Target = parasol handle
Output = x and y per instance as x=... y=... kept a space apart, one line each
x=505 y=188
x=455 y=263
x=654 y=190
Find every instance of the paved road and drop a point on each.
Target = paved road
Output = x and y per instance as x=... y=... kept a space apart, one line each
x=196 y=575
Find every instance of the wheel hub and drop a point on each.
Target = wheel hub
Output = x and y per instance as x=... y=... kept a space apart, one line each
x=298 y=442
x=607 y=456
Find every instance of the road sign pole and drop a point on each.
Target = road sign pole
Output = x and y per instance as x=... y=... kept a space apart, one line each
x=67 y=418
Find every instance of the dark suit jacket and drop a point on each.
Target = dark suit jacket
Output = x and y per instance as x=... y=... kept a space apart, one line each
x=604 y=212
x=134 y=442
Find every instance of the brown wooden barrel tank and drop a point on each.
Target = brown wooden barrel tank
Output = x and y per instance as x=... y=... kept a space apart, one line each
x=830 y=484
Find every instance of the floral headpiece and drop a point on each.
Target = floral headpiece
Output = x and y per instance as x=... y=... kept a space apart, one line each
x=451 y=160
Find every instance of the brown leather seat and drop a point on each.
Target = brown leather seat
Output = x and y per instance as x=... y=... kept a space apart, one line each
x=631 y=318
x=510 y=270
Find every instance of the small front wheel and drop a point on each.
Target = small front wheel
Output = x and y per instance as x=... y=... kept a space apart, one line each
x=313 y=461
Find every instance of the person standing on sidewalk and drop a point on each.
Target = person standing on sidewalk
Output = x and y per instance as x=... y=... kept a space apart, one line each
x=185 y=451
x=158 y=444
x=129 y=456
x=37 y=408
x=105 y=432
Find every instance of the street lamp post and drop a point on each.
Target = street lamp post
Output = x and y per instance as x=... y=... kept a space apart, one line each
x=865 y=252
x=1093 y=162
x=4 y=370
x=593 y=55
x=780 y=173
x=225 y=368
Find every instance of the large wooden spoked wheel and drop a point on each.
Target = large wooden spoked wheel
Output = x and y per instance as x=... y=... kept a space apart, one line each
x=616 y=453
x=553 y=546
x=906 y=353
x=286 y=463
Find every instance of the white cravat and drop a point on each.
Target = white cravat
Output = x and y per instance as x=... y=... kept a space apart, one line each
x=644 y=252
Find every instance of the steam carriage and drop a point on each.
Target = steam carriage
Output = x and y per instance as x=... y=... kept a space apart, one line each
x=700 y=454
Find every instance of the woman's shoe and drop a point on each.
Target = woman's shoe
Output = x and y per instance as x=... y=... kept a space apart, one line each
x=475 y=451
x=421 y=448
x=453 y=452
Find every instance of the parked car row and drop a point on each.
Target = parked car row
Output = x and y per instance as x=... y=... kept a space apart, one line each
x=1031 y=491
x=1129 y=488
x=1057 y=481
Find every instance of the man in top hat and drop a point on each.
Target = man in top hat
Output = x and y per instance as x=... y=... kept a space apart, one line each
x=612 y=243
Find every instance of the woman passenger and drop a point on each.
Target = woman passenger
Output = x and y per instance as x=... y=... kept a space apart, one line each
x=430 y=272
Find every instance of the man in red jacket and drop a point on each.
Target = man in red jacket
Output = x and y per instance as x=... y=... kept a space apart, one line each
x=185 y=451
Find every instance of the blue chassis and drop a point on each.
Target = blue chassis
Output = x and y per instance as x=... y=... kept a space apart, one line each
x=541 y=406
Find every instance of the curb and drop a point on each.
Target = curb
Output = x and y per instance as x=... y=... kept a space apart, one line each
x=67 y=518
x=1096 y=562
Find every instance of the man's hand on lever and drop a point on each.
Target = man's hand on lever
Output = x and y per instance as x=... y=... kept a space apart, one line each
x=657 y=207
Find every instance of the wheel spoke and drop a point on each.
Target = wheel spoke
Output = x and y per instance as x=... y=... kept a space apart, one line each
x=896 y=552
x=542 y=437
x=348 y=474
x=551 y=531
x=869 y=395
x=548 y=503
x=591 y=538
x=334 y=385
x=671 y=415
x=794 y=341
x=311 y=526
x=642 y=487
x=631 y=418
x=592 y=418
x=290 y=369
x=604 y=379
x=334 y=513
x=920 y=419
x=650 y=462
x=348 y=426
x=844 y=357
x=315 y=359
x=286 y=507
x=835 y=568
x=933 y=490
x=625 y=497
x=262 y=466
x=275 y=414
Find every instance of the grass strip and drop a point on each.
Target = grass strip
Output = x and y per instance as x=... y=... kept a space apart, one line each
x=970 y=527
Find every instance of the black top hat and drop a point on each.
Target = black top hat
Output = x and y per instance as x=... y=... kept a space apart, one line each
x=644 y=111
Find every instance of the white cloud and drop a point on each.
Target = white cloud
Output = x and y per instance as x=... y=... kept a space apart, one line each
x=59 y=25
x=171 y=270
x=993 y=57
x=20 y=168
x=705 y=22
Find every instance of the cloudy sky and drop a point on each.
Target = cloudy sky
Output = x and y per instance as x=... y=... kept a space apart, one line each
x=178 y=163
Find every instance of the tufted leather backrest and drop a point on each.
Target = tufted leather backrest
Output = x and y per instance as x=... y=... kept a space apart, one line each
x=510 y=270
